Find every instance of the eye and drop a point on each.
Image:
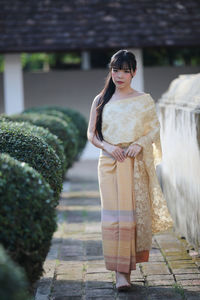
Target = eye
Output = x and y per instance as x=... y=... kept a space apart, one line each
x=127 y=71
x=114 y=70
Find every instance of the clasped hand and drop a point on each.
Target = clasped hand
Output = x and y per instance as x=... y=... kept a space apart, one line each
x=120 y=154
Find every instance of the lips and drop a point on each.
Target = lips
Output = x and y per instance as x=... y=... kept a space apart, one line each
x=120 y=82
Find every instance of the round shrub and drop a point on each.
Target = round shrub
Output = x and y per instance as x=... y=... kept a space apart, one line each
x=55 y=126
x=81 y=123
x=30 y=148
x=27 y=215
x=77 y=119
x=13 y=281
x=49 y=137
x=72 y=131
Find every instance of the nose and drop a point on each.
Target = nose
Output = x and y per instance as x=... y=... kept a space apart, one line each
x=119 y=74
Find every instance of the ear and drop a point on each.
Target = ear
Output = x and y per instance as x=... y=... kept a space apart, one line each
x=133 y=73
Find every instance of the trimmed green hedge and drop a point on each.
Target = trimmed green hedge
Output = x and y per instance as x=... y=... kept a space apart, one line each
x=56 y=126
x=27 y=215
x=78 y=119
x=13 y=281
x=25 y=146
x=49 y=138
x=72 y=129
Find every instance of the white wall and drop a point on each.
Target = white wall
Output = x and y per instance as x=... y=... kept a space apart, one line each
x=76 y=89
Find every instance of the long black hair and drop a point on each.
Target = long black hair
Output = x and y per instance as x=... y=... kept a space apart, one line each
x=121 y=59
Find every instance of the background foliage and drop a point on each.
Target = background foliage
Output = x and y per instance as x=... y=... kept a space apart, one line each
x=153 y=56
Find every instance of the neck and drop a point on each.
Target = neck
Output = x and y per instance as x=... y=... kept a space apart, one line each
x=123 y=91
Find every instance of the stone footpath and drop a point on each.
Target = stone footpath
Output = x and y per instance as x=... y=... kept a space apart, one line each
x=74 y=267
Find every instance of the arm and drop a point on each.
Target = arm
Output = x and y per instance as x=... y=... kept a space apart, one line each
x=115 y=151
x=91 y=127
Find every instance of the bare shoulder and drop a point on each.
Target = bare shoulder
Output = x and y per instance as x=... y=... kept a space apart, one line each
x=96 y=99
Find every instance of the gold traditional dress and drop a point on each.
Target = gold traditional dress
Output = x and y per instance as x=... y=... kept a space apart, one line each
x=132 y=203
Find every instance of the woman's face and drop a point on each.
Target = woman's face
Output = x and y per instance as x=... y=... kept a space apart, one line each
x=122 y=77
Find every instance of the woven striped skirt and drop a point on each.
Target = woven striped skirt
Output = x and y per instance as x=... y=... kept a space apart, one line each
x=118 y=217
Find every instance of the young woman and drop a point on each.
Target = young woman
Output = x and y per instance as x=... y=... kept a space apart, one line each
x=124 y=125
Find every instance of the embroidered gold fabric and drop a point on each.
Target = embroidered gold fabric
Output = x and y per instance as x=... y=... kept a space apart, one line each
x=134 y=121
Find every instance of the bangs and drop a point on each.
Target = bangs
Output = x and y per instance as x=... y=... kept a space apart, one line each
x=122 y=63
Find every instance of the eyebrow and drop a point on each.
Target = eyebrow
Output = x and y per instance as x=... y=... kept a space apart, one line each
x=122 y=68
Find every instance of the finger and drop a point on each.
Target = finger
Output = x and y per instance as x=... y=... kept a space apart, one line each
x=115 y=156
x=118 y=155
x=131 y=153
x=134 y=154
x=122 y=154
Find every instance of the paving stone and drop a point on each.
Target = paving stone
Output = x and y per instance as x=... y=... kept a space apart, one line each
x=154 y=250
x=66 y=288
x=66 y=267
x=74 y=227
x=99 y=292
x=133 y=294
x=70 y=250
x=66 y=298
x=192 y=292
x=98 y=285
x=49 y=268
x=99 y=298
x=181 y=263
x=70 y=275
x=72 y=241
x=188 y=282
x=90 y=236
x=194 y=288
x=93 y=227
x=192 y=296
x=184 y=270
x=197 y=263
x=53 y=251
x=97 y=269
x=171 y=245
x=162 y=293
x=187 y=276
x=104 y=277
x=155 y=268
x=93 y=248
x=179 y=257
x=168 y=282
x=98 y=262
x=44 y=289
x=136 y=275
x=177 y=252
x=160 y=277
x=138 y=283
x=93 y=258
x=156 y=258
